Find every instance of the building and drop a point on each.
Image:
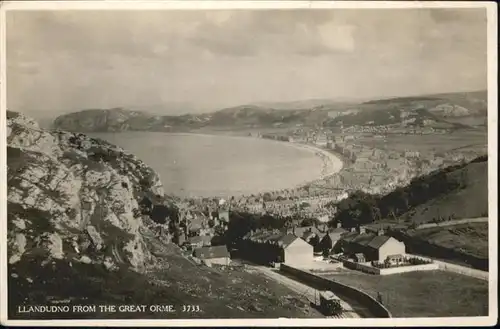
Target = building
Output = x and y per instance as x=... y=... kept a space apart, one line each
x=296 y=251
x=330 y=239
x=274 y=246
x=223 y=215
x=412 y=154
x=374 y=246
x=213 y=255
x=200 y=241
x=302 y=231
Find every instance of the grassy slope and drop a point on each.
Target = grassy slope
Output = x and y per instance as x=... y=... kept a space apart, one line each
x=469 y=238
x=220 y=293
x=470 y=202
x=424 y=294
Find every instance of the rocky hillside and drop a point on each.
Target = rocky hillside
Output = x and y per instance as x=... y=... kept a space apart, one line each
x=458 y=110
x=118 y=119
x=88 y=224
x=75 y=198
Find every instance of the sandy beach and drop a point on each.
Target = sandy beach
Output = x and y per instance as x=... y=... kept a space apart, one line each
x=331 y=163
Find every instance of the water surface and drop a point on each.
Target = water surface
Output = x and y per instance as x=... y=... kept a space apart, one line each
x=214 y=165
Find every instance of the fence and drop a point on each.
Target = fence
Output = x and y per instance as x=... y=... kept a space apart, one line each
x=375 y=308
x=391 y=270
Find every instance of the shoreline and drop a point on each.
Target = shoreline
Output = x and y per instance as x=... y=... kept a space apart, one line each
x=331 y=164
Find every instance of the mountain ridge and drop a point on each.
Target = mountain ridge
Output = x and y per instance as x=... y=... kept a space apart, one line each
x=452 y=110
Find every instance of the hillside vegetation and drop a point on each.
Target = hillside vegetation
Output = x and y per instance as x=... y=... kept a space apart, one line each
x=459 y=191
x=449 y=111
x=85 y=221
x=469 y=238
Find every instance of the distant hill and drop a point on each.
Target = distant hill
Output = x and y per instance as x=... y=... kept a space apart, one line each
x=308 y=104
x=453 y=110
x=459 y=110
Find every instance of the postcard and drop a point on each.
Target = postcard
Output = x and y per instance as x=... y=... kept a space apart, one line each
x=248 y=163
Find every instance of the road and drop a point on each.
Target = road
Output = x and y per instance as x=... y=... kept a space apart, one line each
x=306 y=291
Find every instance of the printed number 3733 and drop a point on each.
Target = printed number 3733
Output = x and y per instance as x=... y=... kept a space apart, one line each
x=190 y=308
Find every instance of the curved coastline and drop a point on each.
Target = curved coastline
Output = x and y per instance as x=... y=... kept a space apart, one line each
x=331 y=164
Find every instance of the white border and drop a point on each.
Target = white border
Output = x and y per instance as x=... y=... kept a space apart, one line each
x=193 y=5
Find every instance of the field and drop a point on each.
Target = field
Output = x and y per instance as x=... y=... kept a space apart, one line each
x=468 y=238
x=475 y=139
x=423 y=294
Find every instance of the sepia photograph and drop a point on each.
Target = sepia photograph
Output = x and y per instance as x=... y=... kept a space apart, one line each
x=248 y=163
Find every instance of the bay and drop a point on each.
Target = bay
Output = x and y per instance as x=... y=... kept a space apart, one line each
x=196 y=165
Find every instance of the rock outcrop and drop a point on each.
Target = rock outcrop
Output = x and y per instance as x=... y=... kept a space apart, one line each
x=76 y=198
x=118 y=119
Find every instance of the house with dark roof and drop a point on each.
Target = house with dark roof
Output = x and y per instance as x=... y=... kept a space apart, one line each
x=274 y=246
x=200 y=241
x=374 y=246
x=302 y=231
x=330 y=239
x=310 y=234
x=213 y=255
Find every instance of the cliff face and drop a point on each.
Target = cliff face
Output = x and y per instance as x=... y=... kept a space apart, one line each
x=98 y=120
x=75 y=198
x=115 y=120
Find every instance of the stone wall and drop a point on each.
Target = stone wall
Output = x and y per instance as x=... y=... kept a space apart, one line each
x=376 y=309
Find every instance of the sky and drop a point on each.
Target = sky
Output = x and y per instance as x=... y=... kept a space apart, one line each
x=175 y=62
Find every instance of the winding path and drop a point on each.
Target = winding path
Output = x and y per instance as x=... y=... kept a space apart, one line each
x=352 y=309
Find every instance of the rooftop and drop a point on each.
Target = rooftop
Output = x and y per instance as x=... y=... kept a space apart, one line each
x=281 y=238
x=369 y=240
x=200 y=238
x=211 y=252
x=326 y=294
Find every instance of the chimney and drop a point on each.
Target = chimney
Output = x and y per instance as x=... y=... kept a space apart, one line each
x=380 y=231
x=339 y=225
x=353 y=229
x=361 y=229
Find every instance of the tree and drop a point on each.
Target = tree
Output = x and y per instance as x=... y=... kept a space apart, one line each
x=314 y=241
x=267 y=197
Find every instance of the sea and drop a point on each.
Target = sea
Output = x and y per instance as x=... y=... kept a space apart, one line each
x=196 y=165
